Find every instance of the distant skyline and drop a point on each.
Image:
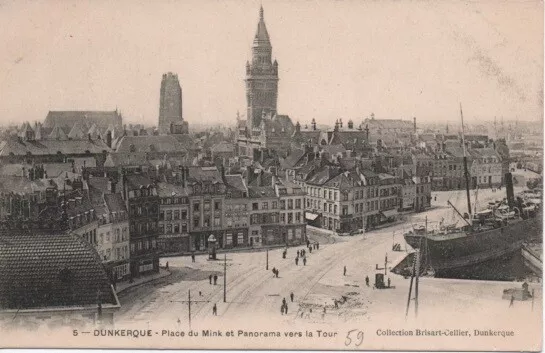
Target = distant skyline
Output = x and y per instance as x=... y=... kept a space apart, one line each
x=336 y=59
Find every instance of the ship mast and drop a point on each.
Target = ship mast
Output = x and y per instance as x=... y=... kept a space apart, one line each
x=466 y=173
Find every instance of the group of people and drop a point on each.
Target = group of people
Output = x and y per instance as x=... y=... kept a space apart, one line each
x=214 y=277
x=275 y=272
x=284 y=306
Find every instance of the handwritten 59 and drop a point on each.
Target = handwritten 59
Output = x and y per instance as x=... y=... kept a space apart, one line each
x=354 y=337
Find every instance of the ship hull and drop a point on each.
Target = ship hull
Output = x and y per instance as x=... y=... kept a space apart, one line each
x=472 y=248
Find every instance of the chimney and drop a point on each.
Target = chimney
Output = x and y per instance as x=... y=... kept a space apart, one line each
x=350 y=124
x=89 y=137
x=109 y=139
x=313 y=123
x=414 y=124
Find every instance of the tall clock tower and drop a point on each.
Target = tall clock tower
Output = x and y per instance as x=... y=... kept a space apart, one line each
x=261 y=77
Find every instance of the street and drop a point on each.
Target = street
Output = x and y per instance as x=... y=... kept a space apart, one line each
x=252 y=292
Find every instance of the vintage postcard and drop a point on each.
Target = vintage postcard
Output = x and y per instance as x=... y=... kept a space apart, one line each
x=295 y=175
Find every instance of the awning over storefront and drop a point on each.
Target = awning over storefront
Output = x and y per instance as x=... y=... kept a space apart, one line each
x=311 y=216
x=389 y=213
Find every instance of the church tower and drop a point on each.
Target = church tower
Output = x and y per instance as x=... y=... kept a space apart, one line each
x=170 y=104
x=261 y=77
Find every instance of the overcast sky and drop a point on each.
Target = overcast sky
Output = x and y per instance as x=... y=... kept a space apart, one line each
x=336 y=58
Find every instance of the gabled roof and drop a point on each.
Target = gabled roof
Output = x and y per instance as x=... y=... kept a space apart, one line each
x=169 y=190
x=77 y=133
x=135 y=181
x=51 y=271
x=57 y=134
x=261 y=191
x=223 y=147
x=151 y=143
x=236 y=182
x=52 y=147
x=292 y=159
x=197 y=174
x=67 y=119
x=323 y=175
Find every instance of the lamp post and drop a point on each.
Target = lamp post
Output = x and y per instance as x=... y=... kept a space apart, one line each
x=224 y=278
x=267 y=264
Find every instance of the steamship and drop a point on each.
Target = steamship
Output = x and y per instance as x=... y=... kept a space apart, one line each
x=495 y=232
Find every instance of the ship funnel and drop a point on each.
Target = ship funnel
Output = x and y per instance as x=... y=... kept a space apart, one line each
x=509 y=190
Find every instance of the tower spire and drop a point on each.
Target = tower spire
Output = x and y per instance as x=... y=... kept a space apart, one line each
x=261 y=13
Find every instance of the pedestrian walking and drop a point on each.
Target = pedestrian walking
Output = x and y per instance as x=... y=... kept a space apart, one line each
x=389 y=282
x=286 y=308
x=317 y=246
x=296 y=261
x=193 y=257
x=310 y=249
x=210 y=279
x=297 y=253
x=344 y=271
x=292 y=296
x=308 y=243
x=166 y=266
x=512 y=301
x=284 y=301
x=215 y=310
x=215 y=279
x=367 y=280
x=200 y=294
x=304 y=261
x=282 y=309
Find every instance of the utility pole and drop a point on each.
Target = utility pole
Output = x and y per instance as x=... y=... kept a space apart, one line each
x=189 y=306
x=225 y=278
x=267 y=265
x=386 y=264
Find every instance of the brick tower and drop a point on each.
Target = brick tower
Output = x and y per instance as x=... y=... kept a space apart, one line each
x=261 y=77
x=170 y=105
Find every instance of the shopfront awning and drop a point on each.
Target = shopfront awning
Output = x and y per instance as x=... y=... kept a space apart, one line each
x=310 y=216
x=389 y=213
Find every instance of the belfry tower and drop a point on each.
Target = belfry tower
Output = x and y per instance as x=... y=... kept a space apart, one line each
x=261 y=77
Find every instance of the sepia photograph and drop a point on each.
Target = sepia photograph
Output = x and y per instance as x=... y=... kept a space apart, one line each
x=272 y=175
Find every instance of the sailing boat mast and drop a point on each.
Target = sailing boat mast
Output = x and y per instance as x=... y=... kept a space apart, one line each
x=466 y=172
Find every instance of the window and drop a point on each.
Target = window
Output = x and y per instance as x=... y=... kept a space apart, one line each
x=228 y=239
x=176 y=228
x=161 y=229
x=282 y=218
x=274 y=205
x=255 y=206
x=176 y=214
x=345 y=210
x=168 y=215
x=282 y=204
x=290 y=218
x=184 y=214
x=254 y=219
x=217 y=205
x=196 y=222
x=196 y=207
x=217 y=222
x=206 y=221
x=169 y=228
x=298 y=204
x=133 y=248
x=298 y=217
x=207 y=206
x=345 y=196
x=240 y=238
x=265 y=205
x=290 y=204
